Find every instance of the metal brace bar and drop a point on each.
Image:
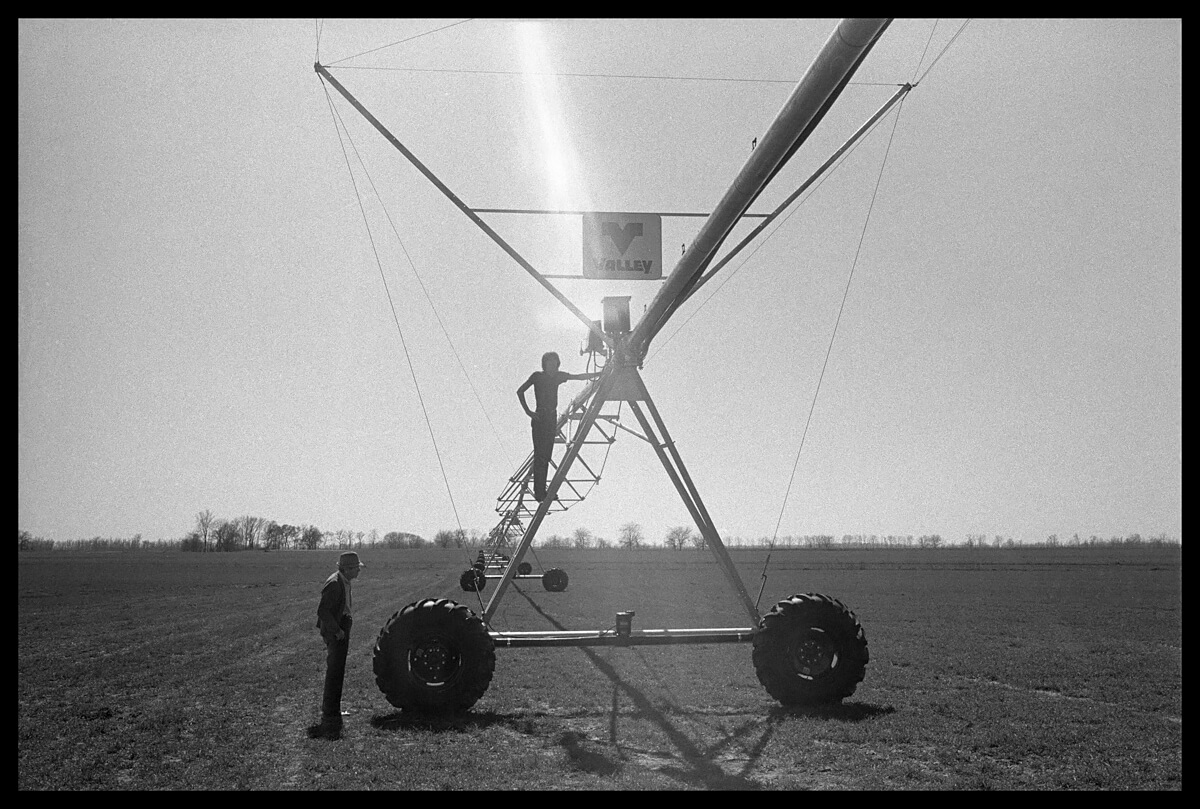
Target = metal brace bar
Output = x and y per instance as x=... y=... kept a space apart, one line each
x=585 y=213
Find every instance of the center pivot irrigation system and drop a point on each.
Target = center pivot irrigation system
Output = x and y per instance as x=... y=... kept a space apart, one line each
x=438 y=655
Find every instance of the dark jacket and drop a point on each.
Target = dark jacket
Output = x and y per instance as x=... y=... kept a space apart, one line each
x=334 y=610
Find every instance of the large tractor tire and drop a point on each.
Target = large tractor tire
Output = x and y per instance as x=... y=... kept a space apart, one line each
x=434 y=656
x=472 y=580
x=810 y=650
x=524 y=568
x=555 y=580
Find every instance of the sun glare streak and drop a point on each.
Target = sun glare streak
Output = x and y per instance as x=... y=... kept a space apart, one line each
x=566 y=189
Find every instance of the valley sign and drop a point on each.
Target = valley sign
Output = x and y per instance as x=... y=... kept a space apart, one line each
x=622 y=246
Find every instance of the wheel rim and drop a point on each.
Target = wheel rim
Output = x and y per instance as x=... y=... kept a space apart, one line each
x=813 y=655
x=433 y=661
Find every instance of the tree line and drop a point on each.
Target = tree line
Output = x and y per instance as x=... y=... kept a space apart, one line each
x=211 y=533
x=248 y=533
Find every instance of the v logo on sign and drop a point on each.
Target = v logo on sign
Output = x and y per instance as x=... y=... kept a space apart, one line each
x=622 y=236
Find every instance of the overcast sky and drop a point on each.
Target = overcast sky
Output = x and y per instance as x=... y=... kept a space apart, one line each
x=202 y=323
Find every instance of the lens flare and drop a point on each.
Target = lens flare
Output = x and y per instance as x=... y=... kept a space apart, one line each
x=566 y=189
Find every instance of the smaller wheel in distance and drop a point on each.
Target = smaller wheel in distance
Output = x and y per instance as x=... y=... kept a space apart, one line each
x=555 y=580
x=524 y=568
x=472 y=580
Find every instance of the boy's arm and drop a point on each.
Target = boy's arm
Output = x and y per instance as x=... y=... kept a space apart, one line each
x=521 y=396
x=584 y=376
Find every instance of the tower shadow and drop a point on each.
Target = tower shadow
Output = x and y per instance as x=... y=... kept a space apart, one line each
x=701 y=769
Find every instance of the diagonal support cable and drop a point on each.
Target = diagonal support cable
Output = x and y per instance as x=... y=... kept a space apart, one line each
x=396 y=319
x=853 y=139
x=401 y=41
x=412 y=266
x=836 y=323
x=819 y=176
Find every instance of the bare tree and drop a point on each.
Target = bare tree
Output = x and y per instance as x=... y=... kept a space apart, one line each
x=290 y=535
x=272 y=534
x=401 y=539
x=225 y=535
x=250 y=529
x=678 y=537
x=630 y=536
x=311 y=537
x=582 y=538
x=204 y=521
x=555 y=541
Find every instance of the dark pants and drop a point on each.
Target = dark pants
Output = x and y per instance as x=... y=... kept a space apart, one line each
x=543 y=447
x=335 y=673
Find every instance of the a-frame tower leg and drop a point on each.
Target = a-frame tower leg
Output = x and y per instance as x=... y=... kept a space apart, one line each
x=690 y=495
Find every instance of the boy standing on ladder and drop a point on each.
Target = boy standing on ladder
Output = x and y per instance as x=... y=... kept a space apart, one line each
x=544 y=419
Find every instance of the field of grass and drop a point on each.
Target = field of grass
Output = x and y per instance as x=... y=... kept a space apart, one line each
x=1033 y=669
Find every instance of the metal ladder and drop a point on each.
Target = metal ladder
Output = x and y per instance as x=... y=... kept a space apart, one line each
x=516 y=505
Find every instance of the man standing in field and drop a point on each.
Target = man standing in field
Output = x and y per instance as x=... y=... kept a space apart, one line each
x=334 y=621
x=544 y=419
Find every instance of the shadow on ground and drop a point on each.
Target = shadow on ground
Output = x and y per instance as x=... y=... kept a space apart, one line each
x=693 y=761
x=598 y=763
x=843 y=712
x=441 y=723
x=700 y=767
x=321 y=731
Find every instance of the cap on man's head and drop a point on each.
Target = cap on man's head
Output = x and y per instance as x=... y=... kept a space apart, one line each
x=349 y=559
